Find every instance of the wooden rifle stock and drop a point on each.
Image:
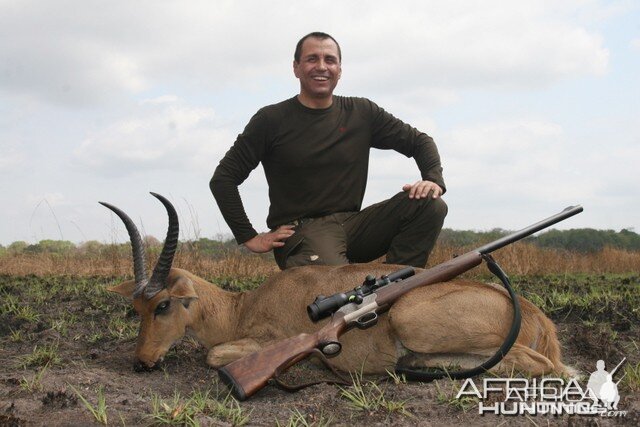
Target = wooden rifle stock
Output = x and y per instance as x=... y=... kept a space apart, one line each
x=247 y=375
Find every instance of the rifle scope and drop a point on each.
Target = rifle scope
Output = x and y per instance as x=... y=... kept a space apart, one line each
x=325 y=306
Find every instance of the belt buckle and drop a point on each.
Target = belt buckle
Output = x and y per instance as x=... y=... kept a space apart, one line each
x=300 y=221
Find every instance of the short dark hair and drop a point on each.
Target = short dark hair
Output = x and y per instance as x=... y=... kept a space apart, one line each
x=318 y=35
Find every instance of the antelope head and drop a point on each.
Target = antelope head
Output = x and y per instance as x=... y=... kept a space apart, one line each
x=162 y=301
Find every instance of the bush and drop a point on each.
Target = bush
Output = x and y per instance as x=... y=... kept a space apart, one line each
x=17 y=247
x=51 y=246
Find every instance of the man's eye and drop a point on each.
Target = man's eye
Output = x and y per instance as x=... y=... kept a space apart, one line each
x=162 y=307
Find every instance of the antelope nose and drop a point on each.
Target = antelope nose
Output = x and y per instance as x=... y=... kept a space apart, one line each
x=140 y=366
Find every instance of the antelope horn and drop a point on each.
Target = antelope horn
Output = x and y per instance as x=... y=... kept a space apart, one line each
x=136 y=247
x=160 y=273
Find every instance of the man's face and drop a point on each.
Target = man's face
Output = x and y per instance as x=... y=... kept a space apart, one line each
x=319 y=68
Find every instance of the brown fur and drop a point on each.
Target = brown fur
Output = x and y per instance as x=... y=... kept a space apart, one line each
x=460 y=322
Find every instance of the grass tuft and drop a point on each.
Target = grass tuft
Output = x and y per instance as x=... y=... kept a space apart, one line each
x=46 y=355
x=189 y=411
x=631 y=377
x=99 y=411
x=369 y=396
x=33 y=384
x=298 y=419
x=448 y=397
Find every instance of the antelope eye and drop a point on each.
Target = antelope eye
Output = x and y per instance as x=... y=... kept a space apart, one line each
x=162 y=307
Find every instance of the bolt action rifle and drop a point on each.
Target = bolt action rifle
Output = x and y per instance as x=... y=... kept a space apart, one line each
x=360 y=308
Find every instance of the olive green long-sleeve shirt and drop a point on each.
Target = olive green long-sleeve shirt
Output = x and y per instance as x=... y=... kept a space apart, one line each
x=315 y=160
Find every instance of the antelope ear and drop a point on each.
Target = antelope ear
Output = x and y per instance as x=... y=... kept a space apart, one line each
x=125 y=288
x=183 y=289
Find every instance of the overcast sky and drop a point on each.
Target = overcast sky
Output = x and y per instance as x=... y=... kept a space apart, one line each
x=533 y=105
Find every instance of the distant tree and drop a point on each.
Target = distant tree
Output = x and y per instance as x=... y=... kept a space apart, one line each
x=51 y=246
x=17 y=247
x=588 y=240
x=92 y=247
x=459 y=238
x=630 y=239
x=211 y=247
x=3 y=250
x=151 y=242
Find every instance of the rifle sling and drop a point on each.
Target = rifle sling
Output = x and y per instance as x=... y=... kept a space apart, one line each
x=295 y=387
x=424 y=376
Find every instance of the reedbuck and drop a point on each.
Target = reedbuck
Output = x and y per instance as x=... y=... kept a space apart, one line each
x=458 y=322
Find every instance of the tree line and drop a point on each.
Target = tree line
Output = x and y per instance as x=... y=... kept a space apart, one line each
x=582 y=240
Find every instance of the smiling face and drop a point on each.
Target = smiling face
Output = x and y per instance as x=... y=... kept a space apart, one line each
x=318 y=71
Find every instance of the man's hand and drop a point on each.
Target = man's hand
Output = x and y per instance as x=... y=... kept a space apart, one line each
x=421 y=189
x=264 y=242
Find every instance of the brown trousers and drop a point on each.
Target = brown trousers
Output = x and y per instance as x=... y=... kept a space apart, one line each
x=404 y=229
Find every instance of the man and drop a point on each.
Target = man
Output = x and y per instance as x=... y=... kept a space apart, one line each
x=315 y=152
x=596 y=380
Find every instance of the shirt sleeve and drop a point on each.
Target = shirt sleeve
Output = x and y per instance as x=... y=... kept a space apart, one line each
x=243 y=157
x=390 y=133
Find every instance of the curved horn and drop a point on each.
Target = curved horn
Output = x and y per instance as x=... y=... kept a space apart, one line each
x=137 y=248
x=158 y=279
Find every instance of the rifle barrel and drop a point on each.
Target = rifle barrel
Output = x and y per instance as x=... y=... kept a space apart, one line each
x=527 y=231
x=617 y=366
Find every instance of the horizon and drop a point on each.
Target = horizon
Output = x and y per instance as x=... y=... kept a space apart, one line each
x=229 y=237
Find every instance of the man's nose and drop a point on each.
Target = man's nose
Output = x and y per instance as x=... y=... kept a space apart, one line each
x=321 y=65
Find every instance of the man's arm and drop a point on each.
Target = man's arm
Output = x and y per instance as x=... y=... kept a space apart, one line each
x=243 y=157
x=388 y=132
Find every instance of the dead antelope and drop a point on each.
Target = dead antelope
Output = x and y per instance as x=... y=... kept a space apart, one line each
x=459 y=322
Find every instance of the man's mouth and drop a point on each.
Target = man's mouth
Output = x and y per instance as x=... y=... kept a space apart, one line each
x=320 y=78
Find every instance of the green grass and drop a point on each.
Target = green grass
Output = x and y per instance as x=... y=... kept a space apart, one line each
x=187 y=411
x=369 y=396
x=10 y=303
x=46 y=355
x=397 y=378
x=298 y=419
x=61 y=326
x=99 y=410
x=587 y=298
x=631 y=379
x=16 y=335
x=448 y=397
x=13 y=306
x=229 y=410
x=34 y=383
x=121 y=328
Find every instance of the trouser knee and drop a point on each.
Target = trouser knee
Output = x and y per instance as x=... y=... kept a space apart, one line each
x=436 y=210
x=425 y=210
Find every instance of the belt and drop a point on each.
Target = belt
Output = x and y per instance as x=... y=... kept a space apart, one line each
x=301 y=221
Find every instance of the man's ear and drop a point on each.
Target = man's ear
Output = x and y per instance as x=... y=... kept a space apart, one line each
x=295 y=69
x=125 y=289
x=183 y=290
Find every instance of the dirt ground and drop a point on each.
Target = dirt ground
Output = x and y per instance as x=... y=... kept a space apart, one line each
x=60 y=345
